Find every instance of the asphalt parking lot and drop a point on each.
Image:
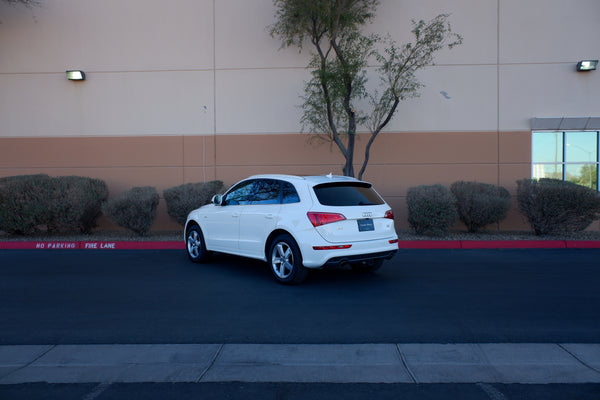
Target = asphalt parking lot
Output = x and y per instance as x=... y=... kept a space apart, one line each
x=432 y=296
x=478 y=321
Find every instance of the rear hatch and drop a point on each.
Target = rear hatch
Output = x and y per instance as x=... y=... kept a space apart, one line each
x=351 y=212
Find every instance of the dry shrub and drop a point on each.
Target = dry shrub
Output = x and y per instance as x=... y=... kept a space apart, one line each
x=480 y=204
x=184 y=198
x=69 y=204
x=134 y=209
x=431 y=210
x=554 y=206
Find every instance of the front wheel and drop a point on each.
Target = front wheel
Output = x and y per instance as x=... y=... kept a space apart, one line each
x=194 y=243
x=285 y=260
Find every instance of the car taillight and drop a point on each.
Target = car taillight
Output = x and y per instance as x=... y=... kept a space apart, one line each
x=389 y=214
x=336 y=247
x=319 y=218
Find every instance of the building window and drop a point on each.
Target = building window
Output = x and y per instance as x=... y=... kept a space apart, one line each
x=568 y=155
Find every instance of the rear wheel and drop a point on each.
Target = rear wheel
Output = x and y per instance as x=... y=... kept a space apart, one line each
x=285 y=260
x=367 y=265
x=194 y=243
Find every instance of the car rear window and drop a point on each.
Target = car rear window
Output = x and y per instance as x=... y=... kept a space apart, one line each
x=347 y=194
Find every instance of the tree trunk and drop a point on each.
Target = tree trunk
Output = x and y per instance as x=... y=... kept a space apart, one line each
x=349 y=166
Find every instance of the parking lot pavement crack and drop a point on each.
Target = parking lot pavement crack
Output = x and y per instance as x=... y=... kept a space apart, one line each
x=213 y=361
x=42 y=354
x=578 y=359
x=412 y=376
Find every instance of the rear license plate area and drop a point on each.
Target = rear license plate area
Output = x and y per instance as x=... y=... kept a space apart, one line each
x=365 y=225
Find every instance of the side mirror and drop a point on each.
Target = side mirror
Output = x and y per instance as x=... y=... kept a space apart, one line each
x=217 y=199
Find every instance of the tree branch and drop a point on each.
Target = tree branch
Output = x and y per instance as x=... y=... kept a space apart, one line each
x=374 y=135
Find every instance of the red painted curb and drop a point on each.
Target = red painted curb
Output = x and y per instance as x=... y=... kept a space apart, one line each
x=133 y=245
x=92 y=245
x=498 y=244
x=429 y=244
x=583 y=244
x=38 y=245
x=513 y=244
x=402 y=244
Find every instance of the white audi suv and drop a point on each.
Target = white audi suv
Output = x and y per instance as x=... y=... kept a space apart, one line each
x=296 y=223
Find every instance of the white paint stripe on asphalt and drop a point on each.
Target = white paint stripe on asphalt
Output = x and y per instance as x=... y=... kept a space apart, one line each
x=492 y=392
x=96 y=391
x=540 y=363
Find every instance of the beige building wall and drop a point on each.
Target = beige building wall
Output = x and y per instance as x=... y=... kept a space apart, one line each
x=194 y=90
x=398 y=161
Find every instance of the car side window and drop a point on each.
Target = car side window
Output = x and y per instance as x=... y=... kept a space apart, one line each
x=262 y=191
x=288 y=193
x=266 y=192
x=240 y=195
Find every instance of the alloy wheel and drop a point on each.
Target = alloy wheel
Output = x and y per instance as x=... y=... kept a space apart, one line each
x=282 y=260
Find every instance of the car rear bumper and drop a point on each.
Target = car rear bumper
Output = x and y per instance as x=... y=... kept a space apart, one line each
x=341 y=260
x=359 y=251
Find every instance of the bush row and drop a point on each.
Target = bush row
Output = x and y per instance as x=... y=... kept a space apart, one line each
x=550 y=206
x=72 y=204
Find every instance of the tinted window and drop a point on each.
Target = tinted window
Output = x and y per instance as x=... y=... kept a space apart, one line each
x=266 y=191
x=262 y=191
x=288 y=193
x=239 y=195
x=347 y=194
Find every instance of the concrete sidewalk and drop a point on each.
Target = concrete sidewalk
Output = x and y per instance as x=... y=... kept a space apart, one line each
x=335 y=363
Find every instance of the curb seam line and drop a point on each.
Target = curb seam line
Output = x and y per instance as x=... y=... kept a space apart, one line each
x=412 y=376
x=212 y=362
x=577 y=358
x=52 y=347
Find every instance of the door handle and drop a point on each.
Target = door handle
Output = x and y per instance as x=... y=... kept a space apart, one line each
x=235 y=215
x=269 y=216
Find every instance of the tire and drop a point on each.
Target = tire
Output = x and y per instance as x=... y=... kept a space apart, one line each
x=194 y=244
x=285 y=261
x=367 y=265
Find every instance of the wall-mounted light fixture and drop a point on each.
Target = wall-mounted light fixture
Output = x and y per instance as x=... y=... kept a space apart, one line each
x=587 y=65
x=75 y=75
